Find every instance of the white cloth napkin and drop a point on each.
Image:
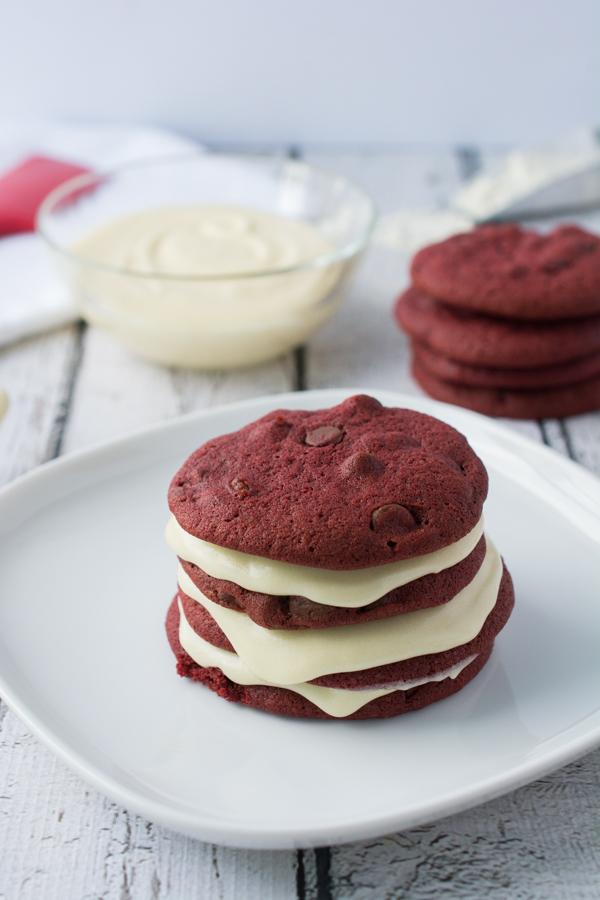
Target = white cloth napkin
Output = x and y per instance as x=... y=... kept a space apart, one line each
x=32 y=296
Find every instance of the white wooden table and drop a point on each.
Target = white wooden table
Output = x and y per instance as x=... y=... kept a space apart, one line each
x=61 y=839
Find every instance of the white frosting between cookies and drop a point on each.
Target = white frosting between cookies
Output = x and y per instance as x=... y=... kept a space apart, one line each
x=293 y=657
x=334 y=701
x=349 y=589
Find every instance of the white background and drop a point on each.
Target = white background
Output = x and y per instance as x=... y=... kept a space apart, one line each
x=362 y=71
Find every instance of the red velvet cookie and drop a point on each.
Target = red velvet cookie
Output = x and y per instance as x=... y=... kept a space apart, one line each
x=344 y=488
x=511 y=379
x=506 y=271
x=295 y=613
x=431 y=664
x=286 y=702
x=551 y=403
x=498 y=343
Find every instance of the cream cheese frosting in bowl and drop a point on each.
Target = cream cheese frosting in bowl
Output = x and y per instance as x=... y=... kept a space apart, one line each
x=208 y=260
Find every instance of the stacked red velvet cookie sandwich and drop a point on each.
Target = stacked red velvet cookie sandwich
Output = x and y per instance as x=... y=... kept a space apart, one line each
x=507 y=322
x=333 y=563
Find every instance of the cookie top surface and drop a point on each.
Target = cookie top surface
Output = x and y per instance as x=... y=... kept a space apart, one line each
x=506 y=271
x=354 y=486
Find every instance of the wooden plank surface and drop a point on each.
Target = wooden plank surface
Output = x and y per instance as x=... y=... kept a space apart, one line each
x=61 y=839
x=117 y=392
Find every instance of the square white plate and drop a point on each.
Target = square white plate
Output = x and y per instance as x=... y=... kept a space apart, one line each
x=85 y=582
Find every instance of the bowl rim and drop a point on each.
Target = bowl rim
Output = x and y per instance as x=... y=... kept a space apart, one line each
x=81 y=182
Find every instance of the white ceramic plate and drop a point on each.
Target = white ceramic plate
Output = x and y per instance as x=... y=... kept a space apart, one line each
x=85 y=582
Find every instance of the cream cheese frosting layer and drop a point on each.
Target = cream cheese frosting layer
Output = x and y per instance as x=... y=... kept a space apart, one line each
x=452 y=672
x=292 y=657
x=334 y=701
x=350 y=589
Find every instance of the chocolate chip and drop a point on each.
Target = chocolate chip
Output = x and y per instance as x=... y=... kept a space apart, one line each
x=362 y=403
x=391 y=518
x=326 y=434
x=451 y=463
x=555 y=264
x=238 y=484
x=362 y=465
x=231 y=601
x=519 y=271
x=307 y=609
x=279 y=428
x=385 y=445
x=272 y=432
x=381 y=602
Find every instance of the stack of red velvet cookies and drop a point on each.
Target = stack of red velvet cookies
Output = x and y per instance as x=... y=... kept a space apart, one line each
x=333 y=563
x=507 y=322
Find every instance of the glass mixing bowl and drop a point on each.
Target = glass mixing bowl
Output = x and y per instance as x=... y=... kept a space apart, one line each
x=216 y=318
